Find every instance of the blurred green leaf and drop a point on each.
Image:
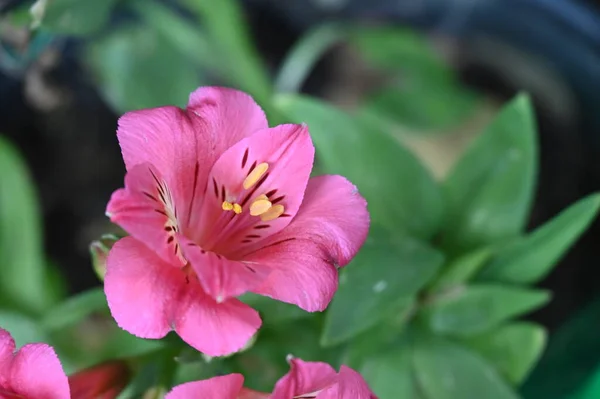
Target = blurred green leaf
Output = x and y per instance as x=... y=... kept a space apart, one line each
x=138 y=68
x=445 y=370
x=423 y=92
x=514 y=349
x=23 y=329
x=461 y=269
x=75 y=309
x=22 y=264
x=272 y=311
x=400 y=191
x=73 y=17
x=390 y=374
x=385 y=275
x=478 y=308
x=99 y=250
x=530 y=259
x=490 y=189
x=240 y=61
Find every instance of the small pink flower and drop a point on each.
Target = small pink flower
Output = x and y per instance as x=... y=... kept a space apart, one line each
x=33 y=372
x=319 y=380
x=218 y=204
x=305 y=380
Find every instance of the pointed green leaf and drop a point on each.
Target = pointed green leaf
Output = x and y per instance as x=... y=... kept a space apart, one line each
x=530 y=259
x=490 y=189
x=514 y=349
x=73 y=17
x=386 y=274
x=445 y=370
x=461 y=269
x=22 y=264
x=400 y=191
x=478 y=308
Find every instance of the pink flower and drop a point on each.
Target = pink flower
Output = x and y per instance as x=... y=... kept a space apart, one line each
x=33 y=372
x=218 y=204
x=305 y=380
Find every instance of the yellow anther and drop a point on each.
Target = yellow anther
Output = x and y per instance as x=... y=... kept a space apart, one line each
x=255 y=175
x=261 y=197
x=237 y=209
x=227 y=206
x=260 y=206
x=273 y=213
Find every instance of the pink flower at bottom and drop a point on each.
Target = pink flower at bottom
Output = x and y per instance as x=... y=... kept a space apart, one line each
x=305 y=380
x=33 y=372
x=218 y=204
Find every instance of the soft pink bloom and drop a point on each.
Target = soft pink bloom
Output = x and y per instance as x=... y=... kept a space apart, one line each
x=218 y=204
x=305 y=380
x=32 y=372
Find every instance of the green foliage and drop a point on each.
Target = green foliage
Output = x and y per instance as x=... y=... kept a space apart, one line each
x=372 y=159
x=72 y=17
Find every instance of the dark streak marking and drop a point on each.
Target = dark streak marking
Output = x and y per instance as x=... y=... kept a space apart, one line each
x=249 y=268
x=262 y=226
x=251 y=168
x=270 y=193
x=216 y=188
x=152 y=197
x=222 y=193
x=245 y=158
x=285 y=215
x=218 y=256
x=202 y=251
x=176 y=248
x=252 y=236
x=191 y=244
x=155 y=178
x=170 y=239
x=246 y=241
x=161 y=212
x=278 y=199
x=168 y=228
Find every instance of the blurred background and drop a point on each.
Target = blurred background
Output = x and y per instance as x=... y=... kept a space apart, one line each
x=438 y=70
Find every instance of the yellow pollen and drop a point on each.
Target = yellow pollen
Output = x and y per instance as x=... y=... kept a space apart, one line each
x=259 y=206
x=255 y=175
x=228 y=206
x=273 y=213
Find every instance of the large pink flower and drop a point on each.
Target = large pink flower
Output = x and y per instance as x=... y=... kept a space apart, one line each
x=305 y=380
x=218 y=204
x=33 y=372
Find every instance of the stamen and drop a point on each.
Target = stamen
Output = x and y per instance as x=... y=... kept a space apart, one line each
x=273 y=213
x=237 y=209
x=255 y=175
x=227 y=206
x=259 y=206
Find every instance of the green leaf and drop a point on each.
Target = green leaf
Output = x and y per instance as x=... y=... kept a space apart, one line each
x=514 y=349
x=478 y=308
x=22 y=264
x=528 y=260
x=385 y=275
x=445 y=370
x=461 y=269
x=423 y=93
x=75 y=309
x=400 y=191
x=390 y=374
x=131 y=64
x=240 y=61
x=272 y=311
x=490 y=189
x=73 y=17
x=23 y=329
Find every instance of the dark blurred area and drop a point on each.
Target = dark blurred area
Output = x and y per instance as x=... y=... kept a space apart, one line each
x=550 y=48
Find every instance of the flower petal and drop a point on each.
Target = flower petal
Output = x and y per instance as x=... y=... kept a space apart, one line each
x=146 y=210
x=141 y=288
x=301 y=273
x=350 y=384
x=36 y=372
x=222 y=278
x=216 y=329
x=284 y=155
x=7 y=349
x=334 y=215
x=304 y=378
x=223 y=387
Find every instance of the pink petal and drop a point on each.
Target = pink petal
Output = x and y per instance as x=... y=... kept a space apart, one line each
x=146 y=210
x=7 y=349
x=36 y=372
x=222 y=278
x=141 y=289
x=301 y=275
x=251 y=394
x=304 y=378
x=289 y=153
x=216 y=329
x=334 y=215
x=223 y=387
x=350 y=384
